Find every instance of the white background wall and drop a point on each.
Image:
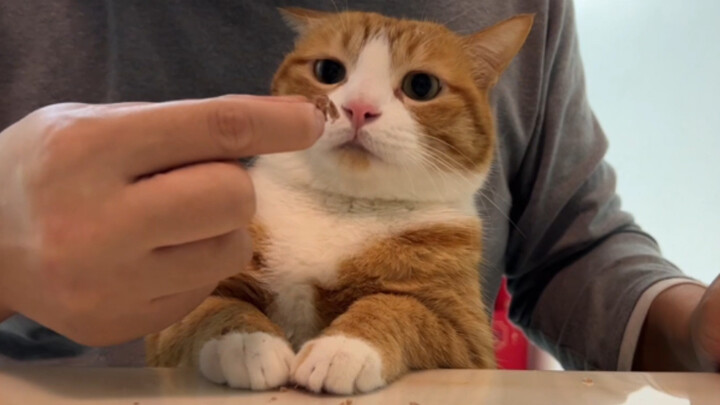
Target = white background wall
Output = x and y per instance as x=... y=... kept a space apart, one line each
x=653 y=74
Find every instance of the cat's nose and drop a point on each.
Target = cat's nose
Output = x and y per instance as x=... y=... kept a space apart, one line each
x=360 y=113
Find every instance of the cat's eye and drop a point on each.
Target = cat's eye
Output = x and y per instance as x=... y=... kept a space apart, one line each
x=421 y=86
x=329 y=71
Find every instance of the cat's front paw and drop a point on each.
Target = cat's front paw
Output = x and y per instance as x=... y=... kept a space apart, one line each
x=256 y=361
x=338 y=365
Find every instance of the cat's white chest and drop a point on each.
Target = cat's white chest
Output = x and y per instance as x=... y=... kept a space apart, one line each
x=310 y=239
x=307 y=246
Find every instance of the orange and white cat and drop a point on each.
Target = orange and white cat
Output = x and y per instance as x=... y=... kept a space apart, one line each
x=367 y=245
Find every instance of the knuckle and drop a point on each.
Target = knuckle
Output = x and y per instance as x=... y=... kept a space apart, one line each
x=230 y=126
x=61 y=123
x=63 y=137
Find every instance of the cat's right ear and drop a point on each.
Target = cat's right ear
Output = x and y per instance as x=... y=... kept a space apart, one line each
x=301 y=19
x=496 y=47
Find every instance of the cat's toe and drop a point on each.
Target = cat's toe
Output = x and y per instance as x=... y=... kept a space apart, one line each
x=209 y=362
x=256 y=361
x=338 y=365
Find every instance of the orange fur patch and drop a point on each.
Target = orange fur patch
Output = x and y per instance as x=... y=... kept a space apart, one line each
x=417 y=298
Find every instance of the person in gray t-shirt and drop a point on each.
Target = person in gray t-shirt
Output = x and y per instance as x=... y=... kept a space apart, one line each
x=78 y=267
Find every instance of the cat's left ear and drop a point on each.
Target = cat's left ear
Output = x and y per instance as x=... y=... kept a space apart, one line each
x=301 y=19
x=494 y=48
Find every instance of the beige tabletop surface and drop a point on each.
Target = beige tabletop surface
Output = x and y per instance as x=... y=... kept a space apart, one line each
x=30 y=385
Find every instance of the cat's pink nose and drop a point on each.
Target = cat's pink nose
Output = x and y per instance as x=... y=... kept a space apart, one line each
x=360 y=113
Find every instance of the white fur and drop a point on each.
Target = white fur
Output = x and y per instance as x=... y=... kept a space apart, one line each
x=339 y=365
x=256 y=361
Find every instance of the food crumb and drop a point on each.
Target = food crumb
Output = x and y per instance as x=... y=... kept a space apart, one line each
x=273 y=399
x=346 y=402
x=324 y=104
x=588 y=382
x=283 y=389
x=413 y=403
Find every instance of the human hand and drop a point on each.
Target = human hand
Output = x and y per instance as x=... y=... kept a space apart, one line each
x=705 y=328
x=119 y=219
x=682 y=330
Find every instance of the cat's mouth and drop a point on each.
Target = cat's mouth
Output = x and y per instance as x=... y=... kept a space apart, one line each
x=355 y=145
x=354 y=150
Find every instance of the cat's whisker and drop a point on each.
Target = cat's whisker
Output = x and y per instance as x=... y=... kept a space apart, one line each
x=424 y=164
x=337 y=9
x=408 y=172
x=483 y=195
x=477 y=190
x=454 y=148
x=510 y=221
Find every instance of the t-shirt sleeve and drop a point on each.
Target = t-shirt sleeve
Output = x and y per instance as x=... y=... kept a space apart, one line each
x=577 y=264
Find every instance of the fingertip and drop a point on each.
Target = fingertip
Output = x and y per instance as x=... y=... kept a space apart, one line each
x=319 y=122
x=314 y=126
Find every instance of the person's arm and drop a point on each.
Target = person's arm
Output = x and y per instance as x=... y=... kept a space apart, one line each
x=581 y=272
x=665 y=342
x=681 y=331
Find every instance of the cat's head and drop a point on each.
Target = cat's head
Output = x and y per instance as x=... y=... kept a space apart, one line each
x=413 y=99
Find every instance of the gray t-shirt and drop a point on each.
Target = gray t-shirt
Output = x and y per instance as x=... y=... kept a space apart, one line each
x=580 y=270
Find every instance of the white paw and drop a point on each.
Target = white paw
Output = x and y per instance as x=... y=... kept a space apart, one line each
x=338 y=365
x=256 y=361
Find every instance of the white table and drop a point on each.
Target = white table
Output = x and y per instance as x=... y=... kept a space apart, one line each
x=44 y=385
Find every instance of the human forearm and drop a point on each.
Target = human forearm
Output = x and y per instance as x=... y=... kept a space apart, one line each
x=666 y=341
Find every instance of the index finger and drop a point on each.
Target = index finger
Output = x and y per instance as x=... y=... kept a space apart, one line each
x=166 y=135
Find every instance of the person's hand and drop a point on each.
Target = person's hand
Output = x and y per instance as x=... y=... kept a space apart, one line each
x=682 y=330
x=705 y=326
x=117 y=220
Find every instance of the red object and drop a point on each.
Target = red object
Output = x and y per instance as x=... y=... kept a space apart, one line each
x=511 y=345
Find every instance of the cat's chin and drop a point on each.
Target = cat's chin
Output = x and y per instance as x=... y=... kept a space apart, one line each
x=322 y=172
